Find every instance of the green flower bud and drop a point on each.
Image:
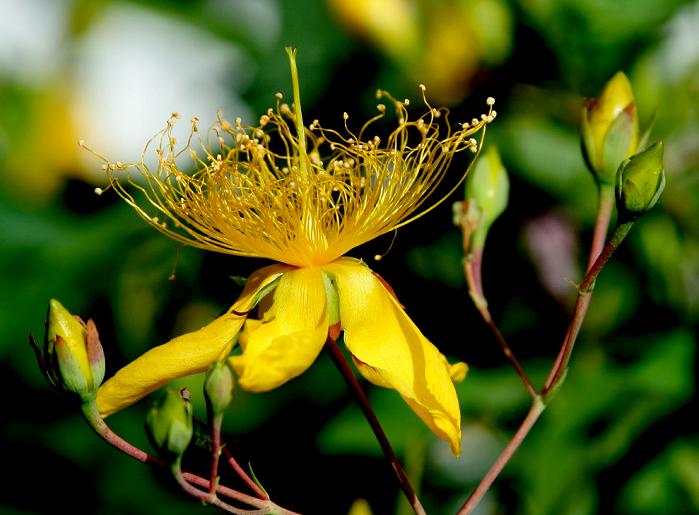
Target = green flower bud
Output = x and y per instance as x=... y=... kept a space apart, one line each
x=218 y=388
x=640 y=181
x=487 y=190
x=610 y=128
x=72 y=359
x=169 y=423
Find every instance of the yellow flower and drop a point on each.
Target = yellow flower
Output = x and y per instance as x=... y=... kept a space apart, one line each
x=267 y=192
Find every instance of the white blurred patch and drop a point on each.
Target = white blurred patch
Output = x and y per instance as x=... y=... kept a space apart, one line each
x=680 y=50
x=481 y=449
x=30 y=33
x=135 y=67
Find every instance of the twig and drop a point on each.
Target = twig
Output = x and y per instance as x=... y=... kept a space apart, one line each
x=344 y=368
x=472 y=271
x=97 y=423
x=584 y=292
x=244 y=476
x=598 y=258
x=216 y=422
x=206 y=497
x=535 y=411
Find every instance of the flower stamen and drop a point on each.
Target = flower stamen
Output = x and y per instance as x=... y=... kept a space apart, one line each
x=297 y=196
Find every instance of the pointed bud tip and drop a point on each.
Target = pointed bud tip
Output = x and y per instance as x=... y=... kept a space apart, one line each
x=65 y=352
x=610 y=128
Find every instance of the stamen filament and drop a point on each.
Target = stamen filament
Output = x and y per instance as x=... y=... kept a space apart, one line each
x=299 y=197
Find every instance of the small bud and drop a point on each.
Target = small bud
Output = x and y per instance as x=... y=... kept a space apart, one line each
x=72 y=359
x=640 y=181
x=218 y=388
x=610 y=128
x=487 y=188
x=169 y=423
x=360 y=507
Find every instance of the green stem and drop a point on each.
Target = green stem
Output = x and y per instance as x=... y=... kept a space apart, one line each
x=300 y=128
x=344 y=368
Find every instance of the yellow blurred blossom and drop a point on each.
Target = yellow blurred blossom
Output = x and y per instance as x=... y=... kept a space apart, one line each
x=445 y=40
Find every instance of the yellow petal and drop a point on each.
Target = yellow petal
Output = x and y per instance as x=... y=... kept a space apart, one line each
x=290 y=336
x=457 y=371
x=185 y=355
x=392 y=351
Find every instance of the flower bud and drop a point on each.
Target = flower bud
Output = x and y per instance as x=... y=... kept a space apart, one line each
x=169 y=423
x=640 y=181
x=218 y=388
x=487 y=188
x=610 y=128
x=72 y=359
x=360 y=507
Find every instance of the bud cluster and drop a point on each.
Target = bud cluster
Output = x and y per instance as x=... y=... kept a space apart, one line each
x=614 y=154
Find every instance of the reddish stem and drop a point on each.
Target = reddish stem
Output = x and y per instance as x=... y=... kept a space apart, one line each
x=97 y=423
x=216 y=422
x=244 y=476
x=344 y=368
x=580 y=310
x=599 y=256
x=207 y=498
x=535 y=411
x=599 y=235
x=472 y=271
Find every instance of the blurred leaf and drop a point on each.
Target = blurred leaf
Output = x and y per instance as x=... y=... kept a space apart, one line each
x=600 y=411
x=548 y=156
x=668 y=484
x=349 y=432
x=591 y=37
x=672 y=261
x=498 y=391
x=54 y=255
x=615 y=300
x=439 y=261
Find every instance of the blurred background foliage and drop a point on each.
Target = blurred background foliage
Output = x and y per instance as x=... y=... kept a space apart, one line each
x=622 y=437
